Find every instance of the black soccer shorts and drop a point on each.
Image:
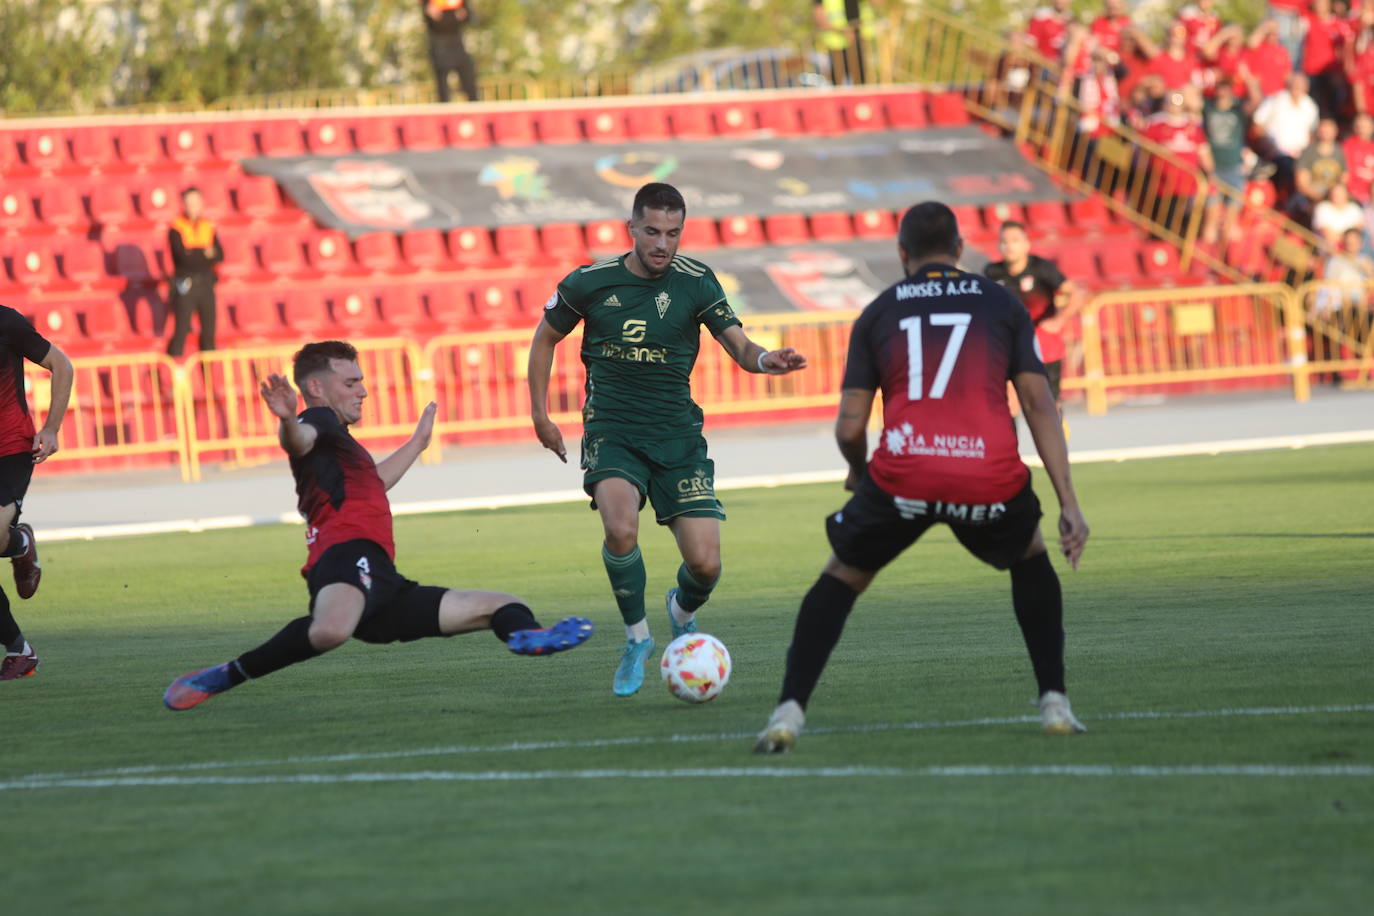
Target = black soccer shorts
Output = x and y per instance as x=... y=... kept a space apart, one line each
x=396 y=608
x=15 y=473
x=874 y=527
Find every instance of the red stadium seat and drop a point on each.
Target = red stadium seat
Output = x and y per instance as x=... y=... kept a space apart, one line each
x=1077 y=264
x=188 y=145
x=45 y=150
x=240 y=258
x=59 y=323
x=560 y=125
x=563 y=243
x=821 y=117
x=306 y=312
x=83 y=264
x=256 y=197
x=110 y=206
x=647 y=123
x=733 y=119
x=214 y=196
x=471 y=246
x=375 y=135
x=1046 y=217
x=607 y=236
x=469 y=132
x=780 y=117
x=831 y=226
x=327 y=137
x=423 y=249
x=356 y=313
x=282 y=137
x=741 y=230
x=108 y=324
x=92 y=149
x=995 y=215
x=1161 y=262
x=327 y=251
x=1119 y=265
x=136 y=261
x=16 y=210
x=907 y=110
x=875 y=224
x=282 y=255
x=691 y=122
x=450 y=304
x=497 y=303
x=971 y=225
x=518 y=244
x=699 y=233
x=255 y=315
x=403 y=307
x=607 y=126
x=158 y=202
x=419 y=133
x=862 y=114
x=786 y=229
x=377 y=252
x=1089 y=214
x=33 y=265
x=59 y=207
x=233 y=140
x=512 y=128
x=139 y=146
x=947 y=109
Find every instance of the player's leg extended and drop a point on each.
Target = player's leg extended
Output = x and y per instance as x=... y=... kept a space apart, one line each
x=467 y=611
x=698 y=540
x=618 y=501
x=19 y=658
x=338 y=608
x=820 y=622
x=1039 y=604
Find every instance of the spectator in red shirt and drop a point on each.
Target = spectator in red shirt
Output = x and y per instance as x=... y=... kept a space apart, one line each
x=1287 y=16
x=1201 y=21
x=1177 y=64
x=1181 y=134
x=1359 y=61
x=1359 y=158
x=1110 y=26
x=1049 y=27
x=1323 y=37
x=1265 y=63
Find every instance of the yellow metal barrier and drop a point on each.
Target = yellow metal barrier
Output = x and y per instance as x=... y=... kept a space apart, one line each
x=123 y=409
x=223 y=414
x=1191 y=337
x=479 y=380
x=1340 y=329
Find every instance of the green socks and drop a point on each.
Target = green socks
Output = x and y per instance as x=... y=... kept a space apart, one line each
x=627 y=582
x=692 y=594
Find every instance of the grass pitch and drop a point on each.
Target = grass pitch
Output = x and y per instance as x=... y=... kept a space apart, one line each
x=1219 y=651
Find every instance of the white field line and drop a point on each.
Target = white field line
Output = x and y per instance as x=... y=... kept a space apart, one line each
x=589 y=743
x=424 y=507
x=766 y=772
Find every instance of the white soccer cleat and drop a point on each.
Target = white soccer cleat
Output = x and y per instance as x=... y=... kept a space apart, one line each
x=780 y=734
x=1056 y=717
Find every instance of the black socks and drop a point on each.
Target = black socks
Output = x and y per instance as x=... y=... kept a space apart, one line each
x=819 y=625
x=1039 y=605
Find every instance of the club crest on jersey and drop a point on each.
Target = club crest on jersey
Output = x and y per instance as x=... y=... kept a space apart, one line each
x=1027 y=283
x=662 y=301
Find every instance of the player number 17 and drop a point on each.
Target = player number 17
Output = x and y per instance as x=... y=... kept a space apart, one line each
x=915 y=373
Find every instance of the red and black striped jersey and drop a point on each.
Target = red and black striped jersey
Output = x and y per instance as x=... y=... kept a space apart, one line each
x=18 y=342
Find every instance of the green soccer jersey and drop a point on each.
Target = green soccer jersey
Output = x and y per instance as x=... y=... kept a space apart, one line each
x=640 y=342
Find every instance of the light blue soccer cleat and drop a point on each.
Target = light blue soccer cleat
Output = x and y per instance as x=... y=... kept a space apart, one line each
x=629 y=674
x=568 y=633
x=678 y=629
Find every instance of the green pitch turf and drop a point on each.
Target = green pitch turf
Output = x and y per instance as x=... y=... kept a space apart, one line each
x=1221 y=620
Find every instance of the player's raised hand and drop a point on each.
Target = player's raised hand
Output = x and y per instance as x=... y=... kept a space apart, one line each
x=783 y=361
x=1073 y=534
x=279 y=396
x=44 y=446
x=425 y=428
x=551 y=437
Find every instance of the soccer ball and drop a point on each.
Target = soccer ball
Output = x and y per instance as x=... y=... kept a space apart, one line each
x=695 y=667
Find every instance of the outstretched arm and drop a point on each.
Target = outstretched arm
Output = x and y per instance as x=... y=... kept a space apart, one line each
x=1042 y=416
x=295 y=437
x=539 y=370
x=851 y=432
x=45 y=440
x=394 y=466
x=752 y=357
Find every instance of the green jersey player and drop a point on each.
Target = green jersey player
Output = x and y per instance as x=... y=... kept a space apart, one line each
x=642 y=314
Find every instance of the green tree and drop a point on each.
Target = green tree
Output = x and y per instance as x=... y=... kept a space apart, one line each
x=55 y=56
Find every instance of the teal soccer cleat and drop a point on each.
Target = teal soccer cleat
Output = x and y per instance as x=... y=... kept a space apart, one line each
x=629 y=674
x=678 y=629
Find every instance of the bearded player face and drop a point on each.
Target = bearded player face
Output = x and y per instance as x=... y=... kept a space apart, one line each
x=656 y=235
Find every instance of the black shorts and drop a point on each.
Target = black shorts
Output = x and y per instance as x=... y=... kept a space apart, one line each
x=875 y=526
x=396 y=609
x=15 y=473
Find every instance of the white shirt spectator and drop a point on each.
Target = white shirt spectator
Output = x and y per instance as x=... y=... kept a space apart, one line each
x=1288 y=122
x=1332 y=220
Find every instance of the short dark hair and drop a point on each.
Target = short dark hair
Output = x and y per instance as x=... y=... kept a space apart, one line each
x=315 y=357
x=658 y=196
x=929 y=228
x=189 y=189
x=1012 y=224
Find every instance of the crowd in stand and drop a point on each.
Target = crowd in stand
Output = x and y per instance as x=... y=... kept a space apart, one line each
x=1290 y=103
